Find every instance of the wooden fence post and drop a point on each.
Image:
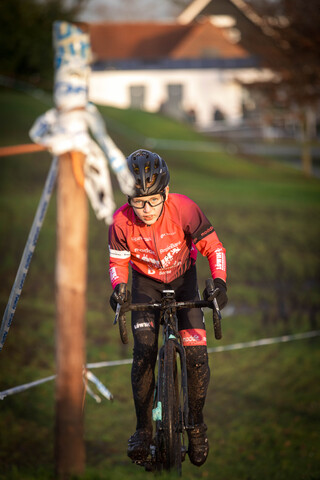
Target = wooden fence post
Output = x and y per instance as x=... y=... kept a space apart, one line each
x=71 y=280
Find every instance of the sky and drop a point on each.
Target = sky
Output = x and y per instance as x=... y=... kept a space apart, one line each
x=130 y=10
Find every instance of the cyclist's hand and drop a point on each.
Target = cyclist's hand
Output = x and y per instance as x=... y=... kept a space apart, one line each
x=120 y=295
x=221 y=297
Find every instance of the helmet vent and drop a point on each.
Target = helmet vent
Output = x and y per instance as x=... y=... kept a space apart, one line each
x=135 y=168
x=152 y=181
x=147 y=167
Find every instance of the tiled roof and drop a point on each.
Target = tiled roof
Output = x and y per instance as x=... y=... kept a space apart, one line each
x=119 y=41
x=206 y=40
x=253 y=37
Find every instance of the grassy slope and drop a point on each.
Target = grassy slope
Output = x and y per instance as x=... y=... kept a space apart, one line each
x=262 y=408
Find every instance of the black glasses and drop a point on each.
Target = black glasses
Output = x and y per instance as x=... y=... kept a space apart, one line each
x=153 y=201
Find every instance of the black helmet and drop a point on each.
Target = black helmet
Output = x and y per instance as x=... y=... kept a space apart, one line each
x=150 y=172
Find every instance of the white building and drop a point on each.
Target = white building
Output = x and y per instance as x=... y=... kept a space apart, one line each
x=192 y=71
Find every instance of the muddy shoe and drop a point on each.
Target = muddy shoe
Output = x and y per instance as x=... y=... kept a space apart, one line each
x=139 y=444
x=198 y=444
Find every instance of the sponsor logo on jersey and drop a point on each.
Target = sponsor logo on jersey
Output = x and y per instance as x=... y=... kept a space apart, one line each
x=144 y=250
x=139 y=239
x=164 y=272
x=206 y=232
x=167 y=234
x=171 y=246
x=146 y=259
x=167 y=260
x=122 y=254
x=113 y=274
x=220 y=259
x=202 y=233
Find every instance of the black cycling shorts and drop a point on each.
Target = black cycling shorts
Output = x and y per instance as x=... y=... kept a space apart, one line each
x=191 y=323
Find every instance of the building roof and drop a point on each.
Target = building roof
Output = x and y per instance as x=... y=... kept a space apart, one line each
x=256 y=37
x=152 y=41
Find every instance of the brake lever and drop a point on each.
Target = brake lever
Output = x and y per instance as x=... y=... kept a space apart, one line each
x=213 y=291
x=116 y=318
x=217 y=309
x=122 y=290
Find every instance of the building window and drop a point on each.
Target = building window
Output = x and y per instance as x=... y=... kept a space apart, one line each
x=175 y=93
x=137 y=94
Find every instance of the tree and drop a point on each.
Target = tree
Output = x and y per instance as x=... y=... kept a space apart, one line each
x=26 y=37
x=294 y=25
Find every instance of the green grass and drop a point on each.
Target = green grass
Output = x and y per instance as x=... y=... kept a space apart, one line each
x=263 y=405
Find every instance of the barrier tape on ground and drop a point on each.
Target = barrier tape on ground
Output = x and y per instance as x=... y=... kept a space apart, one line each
x=26 y=386
x=28 y=252
x=113 y=363
x=265 y=341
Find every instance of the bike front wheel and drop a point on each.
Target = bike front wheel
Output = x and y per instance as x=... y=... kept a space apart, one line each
x=171 y=414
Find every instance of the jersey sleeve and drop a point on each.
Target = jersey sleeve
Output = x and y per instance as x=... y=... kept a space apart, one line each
x=205 y=239
x=119 y=255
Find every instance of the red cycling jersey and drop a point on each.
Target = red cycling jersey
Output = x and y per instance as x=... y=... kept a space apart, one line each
x=166 y=249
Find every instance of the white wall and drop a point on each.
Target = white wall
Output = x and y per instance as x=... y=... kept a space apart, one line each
x=204 y=89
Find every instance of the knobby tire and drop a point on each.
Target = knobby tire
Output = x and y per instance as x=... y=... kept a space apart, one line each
x=171 y=418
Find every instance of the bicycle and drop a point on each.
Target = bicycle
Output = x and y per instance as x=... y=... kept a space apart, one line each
x=171 y=410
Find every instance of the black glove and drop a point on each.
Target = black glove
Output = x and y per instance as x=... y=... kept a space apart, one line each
x=222 y=297
x=120 y=295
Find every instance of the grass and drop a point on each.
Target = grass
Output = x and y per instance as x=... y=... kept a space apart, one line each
x=263 y=406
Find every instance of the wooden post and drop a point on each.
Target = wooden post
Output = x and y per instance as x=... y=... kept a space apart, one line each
x=71 y=280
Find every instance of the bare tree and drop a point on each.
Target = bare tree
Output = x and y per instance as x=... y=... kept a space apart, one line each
x=294 y=25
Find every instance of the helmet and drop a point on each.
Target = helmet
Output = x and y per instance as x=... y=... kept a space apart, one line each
x=150 y=172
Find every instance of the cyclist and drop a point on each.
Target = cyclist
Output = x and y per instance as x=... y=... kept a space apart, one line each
x=159 y=234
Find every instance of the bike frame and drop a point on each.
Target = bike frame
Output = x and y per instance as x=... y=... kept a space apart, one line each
x=168 y=319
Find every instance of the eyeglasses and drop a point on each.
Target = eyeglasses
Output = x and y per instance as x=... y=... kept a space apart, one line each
x=153 y=201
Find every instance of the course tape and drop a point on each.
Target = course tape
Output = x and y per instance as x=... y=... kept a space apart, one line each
x=28 y=252
x=225 y=348
x=102 y=389
x=265 y=341
x=26 y=386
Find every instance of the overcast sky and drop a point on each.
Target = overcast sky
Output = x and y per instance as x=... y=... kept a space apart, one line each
x=130 y=10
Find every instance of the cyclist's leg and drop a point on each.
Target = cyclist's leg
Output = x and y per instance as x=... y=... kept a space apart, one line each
x=192 y=330
x=145 y=329
x=198 y=380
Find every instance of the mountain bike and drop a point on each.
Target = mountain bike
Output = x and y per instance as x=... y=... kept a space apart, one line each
x=170 y=410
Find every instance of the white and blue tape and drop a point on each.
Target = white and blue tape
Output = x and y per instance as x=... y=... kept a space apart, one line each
x=106 y=393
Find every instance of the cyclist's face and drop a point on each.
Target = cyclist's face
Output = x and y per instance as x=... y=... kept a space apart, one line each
x=149 y=214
